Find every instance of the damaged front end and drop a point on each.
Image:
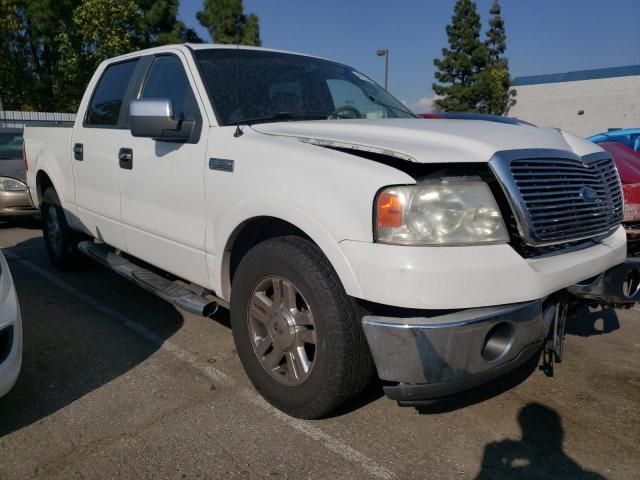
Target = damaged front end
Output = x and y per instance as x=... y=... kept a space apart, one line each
x=617 y=287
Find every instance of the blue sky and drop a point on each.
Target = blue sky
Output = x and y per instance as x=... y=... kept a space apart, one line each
x=543 y=36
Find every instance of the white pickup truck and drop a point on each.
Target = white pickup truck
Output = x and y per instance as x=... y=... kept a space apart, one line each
x=348 y=237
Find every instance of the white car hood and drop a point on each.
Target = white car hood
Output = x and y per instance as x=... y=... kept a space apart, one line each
x=428 y=140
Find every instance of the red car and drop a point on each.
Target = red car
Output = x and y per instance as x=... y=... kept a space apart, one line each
x=628 y=163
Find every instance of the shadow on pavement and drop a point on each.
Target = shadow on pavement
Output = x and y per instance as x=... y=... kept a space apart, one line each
x=29 y=223
x=70 y=347
x=586 y=322
x=539 y=454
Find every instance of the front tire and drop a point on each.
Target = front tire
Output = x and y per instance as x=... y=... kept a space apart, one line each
x=297 y=332
x=60 y=240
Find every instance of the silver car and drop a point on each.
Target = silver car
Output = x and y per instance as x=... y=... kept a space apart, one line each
x=10 y=330
x=15 y=200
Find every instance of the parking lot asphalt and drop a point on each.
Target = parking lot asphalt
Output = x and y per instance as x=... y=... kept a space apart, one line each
x=117 y=383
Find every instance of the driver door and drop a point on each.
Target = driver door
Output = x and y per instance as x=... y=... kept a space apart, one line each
x=162 y=187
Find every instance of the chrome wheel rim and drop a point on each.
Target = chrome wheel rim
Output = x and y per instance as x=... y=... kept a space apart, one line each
x=54 y=231
x=282 y=330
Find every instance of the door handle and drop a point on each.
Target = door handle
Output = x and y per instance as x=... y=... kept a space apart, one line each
x=78 y=152
x=125 y=157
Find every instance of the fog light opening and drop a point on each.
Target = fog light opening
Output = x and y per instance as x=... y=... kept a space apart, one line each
x=497 y=342
x=631 y=283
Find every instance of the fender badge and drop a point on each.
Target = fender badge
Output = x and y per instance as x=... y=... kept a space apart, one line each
x=221 y=164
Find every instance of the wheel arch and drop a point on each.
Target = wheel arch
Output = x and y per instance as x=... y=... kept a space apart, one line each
x=256 y=229
x=43 y=181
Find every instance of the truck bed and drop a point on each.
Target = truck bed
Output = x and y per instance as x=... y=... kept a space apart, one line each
x=54 y=144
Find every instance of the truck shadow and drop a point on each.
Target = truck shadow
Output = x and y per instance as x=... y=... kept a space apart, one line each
x=539 y=454
x=71 y=347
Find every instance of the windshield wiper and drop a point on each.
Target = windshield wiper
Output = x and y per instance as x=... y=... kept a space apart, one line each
x=386 y=105
x=284 y=116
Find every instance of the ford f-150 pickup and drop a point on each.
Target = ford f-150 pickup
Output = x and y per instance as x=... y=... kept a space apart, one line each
x=348 y=237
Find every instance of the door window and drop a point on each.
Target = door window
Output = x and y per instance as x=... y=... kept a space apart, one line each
x=167 y=79
x=106 y=102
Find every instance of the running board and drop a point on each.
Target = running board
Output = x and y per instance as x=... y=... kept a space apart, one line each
x=164 y=288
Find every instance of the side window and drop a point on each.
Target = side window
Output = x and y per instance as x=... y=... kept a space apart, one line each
x=106 y=101
x=167 y=79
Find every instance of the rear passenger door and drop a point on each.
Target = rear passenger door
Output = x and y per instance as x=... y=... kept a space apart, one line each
x=162 y=188
x=95 y=152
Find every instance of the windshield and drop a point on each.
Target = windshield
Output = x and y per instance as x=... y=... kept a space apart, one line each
x=10 y=145
x=248 y=86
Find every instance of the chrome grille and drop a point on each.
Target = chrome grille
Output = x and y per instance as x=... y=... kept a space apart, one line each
x=553 y=197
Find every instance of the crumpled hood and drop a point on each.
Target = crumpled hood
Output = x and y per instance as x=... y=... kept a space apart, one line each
x=429 y=140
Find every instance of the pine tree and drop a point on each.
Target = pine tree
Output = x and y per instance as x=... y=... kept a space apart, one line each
x=227 y=23
x=495 y=81
x=461 y=64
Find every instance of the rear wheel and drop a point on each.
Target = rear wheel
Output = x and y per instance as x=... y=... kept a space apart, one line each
x=60 y=240
x=297 y=332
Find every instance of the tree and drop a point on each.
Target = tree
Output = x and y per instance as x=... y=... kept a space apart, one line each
x=100 y=29
x=461 y=64
x=227 y=23
x=29 y=51
x=49 y=48
x=495 y=81
x=159 y=24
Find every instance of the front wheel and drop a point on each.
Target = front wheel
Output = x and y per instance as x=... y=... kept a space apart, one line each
x=297 y=332
x=60 y=240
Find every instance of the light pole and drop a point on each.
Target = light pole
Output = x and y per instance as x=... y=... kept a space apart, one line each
x=385 y=53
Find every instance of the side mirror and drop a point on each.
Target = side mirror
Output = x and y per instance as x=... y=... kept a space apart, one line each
x=153 y=118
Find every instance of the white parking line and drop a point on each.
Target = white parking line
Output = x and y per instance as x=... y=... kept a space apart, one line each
x=331 y=443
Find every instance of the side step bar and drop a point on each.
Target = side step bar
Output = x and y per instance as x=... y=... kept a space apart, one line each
x=164 y=288
x=618 y=286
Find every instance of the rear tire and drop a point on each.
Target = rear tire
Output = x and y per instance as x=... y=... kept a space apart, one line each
x=297 y=332
x=60 y=240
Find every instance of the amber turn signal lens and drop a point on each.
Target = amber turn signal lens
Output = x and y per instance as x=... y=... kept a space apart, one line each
x=389 y=210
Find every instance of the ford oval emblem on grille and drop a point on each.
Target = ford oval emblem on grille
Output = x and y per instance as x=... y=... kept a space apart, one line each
x=588 y=194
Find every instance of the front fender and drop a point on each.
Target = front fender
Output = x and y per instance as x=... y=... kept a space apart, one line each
x=312 y=227
x=325 y=193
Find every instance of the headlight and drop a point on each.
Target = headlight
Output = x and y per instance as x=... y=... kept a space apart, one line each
x=446 y=211
x=11 y=185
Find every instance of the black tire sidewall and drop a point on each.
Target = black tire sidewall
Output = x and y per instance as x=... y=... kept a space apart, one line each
x=295 y=265
x=69 y=257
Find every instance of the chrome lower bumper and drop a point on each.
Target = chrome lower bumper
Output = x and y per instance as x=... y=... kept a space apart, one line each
x=432 y=357
x=618 y=286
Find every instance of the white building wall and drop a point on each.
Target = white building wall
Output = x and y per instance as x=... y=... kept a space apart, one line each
x=607 y=103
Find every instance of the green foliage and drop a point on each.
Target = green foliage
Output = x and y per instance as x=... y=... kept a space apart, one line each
x=227 y=23
x=159 y=24
x=495 y=81
x=50 y=48
x=100 y=29
x=474 y=75
x=462 y=62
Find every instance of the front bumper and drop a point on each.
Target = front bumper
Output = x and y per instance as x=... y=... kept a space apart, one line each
x=10 y=330
x=16 y=204
x=434 y=357
x=474 y=276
